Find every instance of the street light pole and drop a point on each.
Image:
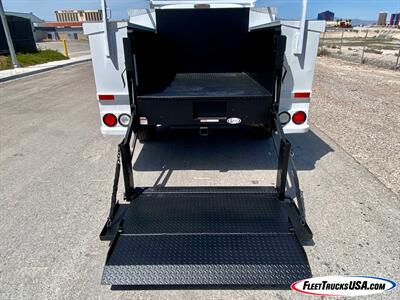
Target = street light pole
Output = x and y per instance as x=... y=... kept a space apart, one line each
x=8 y=37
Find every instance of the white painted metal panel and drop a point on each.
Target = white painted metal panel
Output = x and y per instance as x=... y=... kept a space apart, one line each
x=109 y=71
x=177 y=4
x=261 y=16
x=300 y=68
x=143 y=17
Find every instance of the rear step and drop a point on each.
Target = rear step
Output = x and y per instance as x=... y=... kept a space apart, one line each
x=206 y=236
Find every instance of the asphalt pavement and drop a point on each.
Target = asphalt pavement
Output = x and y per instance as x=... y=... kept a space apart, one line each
x=56 y=179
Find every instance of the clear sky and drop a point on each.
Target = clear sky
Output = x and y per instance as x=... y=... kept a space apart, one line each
x=352 y=9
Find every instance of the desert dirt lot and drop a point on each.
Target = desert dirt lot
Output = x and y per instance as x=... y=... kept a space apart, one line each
x=56 y=179
x=381 y=45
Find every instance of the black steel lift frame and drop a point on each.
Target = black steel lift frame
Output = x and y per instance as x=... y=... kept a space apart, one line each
x=206 y=236
x=285 y=169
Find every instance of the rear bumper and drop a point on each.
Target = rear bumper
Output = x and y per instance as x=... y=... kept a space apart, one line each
x=111 y=131
x=120 y=131
x=296 y=129
x=182 y=113
x=208 y=112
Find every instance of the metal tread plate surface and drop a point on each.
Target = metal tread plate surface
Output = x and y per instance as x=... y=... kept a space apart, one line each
x=213 y=190
x=205 y=236
x=206 y=210
x=206 y=259
x=215 y=85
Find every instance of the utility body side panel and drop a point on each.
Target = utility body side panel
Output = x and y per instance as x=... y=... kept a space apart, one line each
x=109 y=71
x=299 y=70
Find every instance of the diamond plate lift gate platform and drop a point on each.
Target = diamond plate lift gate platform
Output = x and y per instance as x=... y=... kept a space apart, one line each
x=206 y=236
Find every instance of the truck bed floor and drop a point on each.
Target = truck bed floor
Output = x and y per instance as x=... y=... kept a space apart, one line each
x=209 y=85
x=206 y=236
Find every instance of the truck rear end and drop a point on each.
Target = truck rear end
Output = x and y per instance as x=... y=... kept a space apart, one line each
x=208 y=65
x=218 y=66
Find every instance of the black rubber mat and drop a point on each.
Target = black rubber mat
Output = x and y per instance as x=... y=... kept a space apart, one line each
x=206 y=236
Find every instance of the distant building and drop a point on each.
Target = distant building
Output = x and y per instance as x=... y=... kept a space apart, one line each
x=69 y=24
x=382 y=19
x=21 y=32
x=79 y=15
x=340 y=23
x=395 y=19
x=326 y=15
x=61 y=31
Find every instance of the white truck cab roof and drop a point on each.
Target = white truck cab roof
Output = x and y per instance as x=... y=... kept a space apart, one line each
x=184 y=4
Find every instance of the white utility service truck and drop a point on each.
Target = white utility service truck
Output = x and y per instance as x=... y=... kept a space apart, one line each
x=205 y=65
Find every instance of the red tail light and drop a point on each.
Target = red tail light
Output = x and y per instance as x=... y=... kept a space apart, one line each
x=301 y=95
x=110 y=120
x=299 y=117
x=106 y=97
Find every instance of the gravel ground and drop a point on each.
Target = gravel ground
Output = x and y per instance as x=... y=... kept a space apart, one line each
x=359 y=107
x=56 y=178
x=382 y=45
